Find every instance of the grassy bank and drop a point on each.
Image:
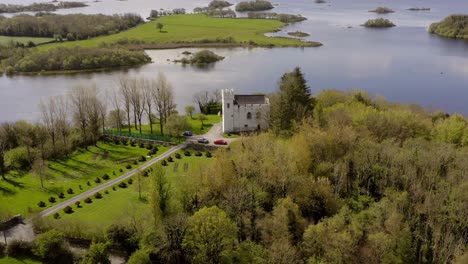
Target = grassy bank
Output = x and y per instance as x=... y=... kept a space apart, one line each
x=197 y=29
x=21 y=193
x=8 y=260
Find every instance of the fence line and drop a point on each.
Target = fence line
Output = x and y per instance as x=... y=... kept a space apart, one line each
x=136 y=135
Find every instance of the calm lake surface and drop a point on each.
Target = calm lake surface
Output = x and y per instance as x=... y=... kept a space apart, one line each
x=404 y=64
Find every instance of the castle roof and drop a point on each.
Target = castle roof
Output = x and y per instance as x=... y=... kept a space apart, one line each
x=249 y=99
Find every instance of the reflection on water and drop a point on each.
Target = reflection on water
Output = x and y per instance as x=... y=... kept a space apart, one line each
x=404 y=63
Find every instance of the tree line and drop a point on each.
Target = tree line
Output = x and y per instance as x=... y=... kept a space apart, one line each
x=216 y=9
x=70 y=27
x=39 y=7
x=20 y=60
x=257 y=5
x=285 y=18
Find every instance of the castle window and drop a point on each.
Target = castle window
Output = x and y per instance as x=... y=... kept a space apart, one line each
x=228 y=105
x=249 y=115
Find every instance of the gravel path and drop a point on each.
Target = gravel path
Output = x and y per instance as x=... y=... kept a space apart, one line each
x=102 y=187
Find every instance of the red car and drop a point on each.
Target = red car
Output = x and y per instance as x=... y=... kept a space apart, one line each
x=220 y=142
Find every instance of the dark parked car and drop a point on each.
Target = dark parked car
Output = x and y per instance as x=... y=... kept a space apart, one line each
x=220 y=142
x=187 y=134
x=203 y=141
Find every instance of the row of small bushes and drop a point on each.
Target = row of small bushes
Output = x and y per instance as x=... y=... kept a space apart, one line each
x=88 y=200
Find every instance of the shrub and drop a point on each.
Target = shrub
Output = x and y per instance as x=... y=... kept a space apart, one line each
x=142 y=145
x=41 y=204
x=132 y=143
x=98 y=195
x=88 y=200
x=80 y=187
x=130 y=181
x=187 y=153
x=124 y=142
x=88 y=183
x=135 y=162
x=52 y=199
x=113 y=173
x=106 y=192
x=116 y=141
x=97 y=180
x=121 y=170
x=149 y=146
x=145 y=173
x=61 y=195
x=78 y=204
x=113 y=188
x=70 y=191
x=178 y=156
x=170 y=159
x=123 y=185
x=142 y=159
x=56 y=216
x=164 y=163
x=106 y=177
x=128 y=166
x=17 y=248
x=208 y=154
x=68 y=210
x=198 y=154
x=155 y=148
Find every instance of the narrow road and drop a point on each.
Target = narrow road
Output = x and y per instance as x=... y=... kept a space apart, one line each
x=102 y=187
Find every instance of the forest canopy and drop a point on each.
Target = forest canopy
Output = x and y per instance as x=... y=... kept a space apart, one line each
x=71 y=27
x=39 y=7
x=453 y=26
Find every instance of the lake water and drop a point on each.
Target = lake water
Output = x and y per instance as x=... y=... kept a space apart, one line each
x=404 y=64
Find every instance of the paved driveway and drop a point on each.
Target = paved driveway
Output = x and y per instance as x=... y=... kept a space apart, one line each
x=216 y=132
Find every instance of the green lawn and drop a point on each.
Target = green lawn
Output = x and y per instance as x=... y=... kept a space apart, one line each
x=21 y=193
x=123 y=204
x=192 y=28
x=194 y=122
x=8 y=260
x=24 y=40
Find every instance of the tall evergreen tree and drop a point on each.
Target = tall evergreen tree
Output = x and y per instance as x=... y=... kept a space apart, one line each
x=291 y=103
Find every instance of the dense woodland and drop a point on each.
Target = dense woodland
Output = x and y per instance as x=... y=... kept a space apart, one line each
x=340 y=178
x=21 y=60
x=39 y=7
x=454 y=26
x=70 y=27
x=379 y=23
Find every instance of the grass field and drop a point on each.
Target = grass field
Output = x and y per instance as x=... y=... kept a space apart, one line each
x=194 y=122
x=21 y=193
x=8 y=260
x=124 y=203
x=193 y=28
x=24 y=40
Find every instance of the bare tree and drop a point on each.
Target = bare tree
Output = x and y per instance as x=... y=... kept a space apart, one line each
x=115 y=99
x=137 y=100
x=62 y=125
x=103 y=109
x=78 y=104
x=93 y=114
x=126 y=96
x=201 y=98
x=48 y=110
x=3 y=149
x=147 y=90
x=163 y=98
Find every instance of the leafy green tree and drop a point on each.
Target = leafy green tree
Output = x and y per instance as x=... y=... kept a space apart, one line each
x=159 y=26
x=189 y=109
x=159 y=193
x=141 y=256
x=97 y=253
x=176 y=125
x=123 y=237
x=50 y=247
x=292 y=103
x=210 y=233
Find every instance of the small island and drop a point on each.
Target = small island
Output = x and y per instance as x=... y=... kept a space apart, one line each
x=320 y=1
x=298 y=34
x=382 y=10
x=219 y=4
x=257 y=5
x=202 y=57
x=419 y=9
x=379 y=23
x=453 y=26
